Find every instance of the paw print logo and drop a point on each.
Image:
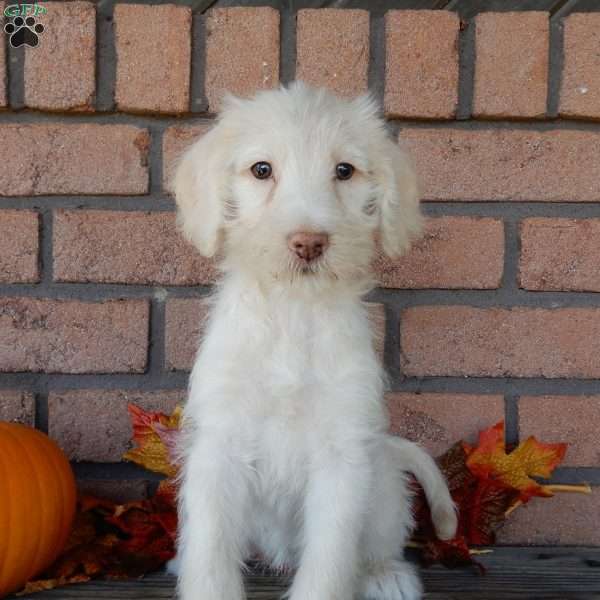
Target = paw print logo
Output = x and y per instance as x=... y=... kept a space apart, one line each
x=24 y=31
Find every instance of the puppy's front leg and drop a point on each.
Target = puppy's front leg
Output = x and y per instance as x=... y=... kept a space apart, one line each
x=214 y=498
x=334 y=513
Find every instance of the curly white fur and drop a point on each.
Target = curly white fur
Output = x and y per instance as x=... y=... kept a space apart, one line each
x=286 y=449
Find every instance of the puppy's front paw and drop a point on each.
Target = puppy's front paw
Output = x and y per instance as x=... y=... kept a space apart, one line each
x=203 y=585
x=395 y=580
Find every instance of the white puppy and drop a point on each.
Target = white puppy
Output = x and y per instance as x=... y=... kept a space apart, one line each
x=286 y=449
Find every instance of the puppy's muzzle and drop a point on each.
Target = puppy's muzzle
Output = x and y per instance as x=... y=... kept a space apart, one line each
x=308 y=246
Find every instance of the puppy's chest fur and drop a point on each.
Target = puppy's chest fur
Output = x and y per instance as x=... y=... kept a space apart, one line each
x=290 y=377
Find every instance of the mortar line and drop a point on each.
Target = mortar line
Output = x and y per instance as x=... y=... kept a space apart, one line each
x=198 y=99
x=555 y=66
x=562 y=9
x=177 y=380
x=108 y=117
x=155 y=161
x=466 y=69
x=287 y=46
x=106 y=56
x=514 y=210
x=42 y=383
x=516 y=387
x=156 y=345
x=571 y=475
x=41 y=411
x=100 y=292
x=377 y=57
x=511 y=418
x=489 y=124
x=46 y=254
x=498 y=298
x=32 y=116
x=87 y=470
x=512 y=252
x=5 y=45
x=160 y=201
x=395 y=298
x=391 y=351
x=111 y=471
x=16 y=79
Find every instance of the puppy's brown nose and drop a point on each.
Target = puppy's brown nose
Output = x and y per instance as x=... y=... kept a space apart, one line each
x=307 y=245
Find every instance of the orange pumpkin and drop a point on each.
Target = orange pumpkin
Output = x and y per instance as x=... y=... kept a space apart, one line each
x=37 y=504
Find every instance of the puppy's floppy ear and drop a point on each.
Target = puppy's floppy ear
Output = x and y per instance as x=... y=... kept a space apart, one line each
x=400 y=217
x=201 y=186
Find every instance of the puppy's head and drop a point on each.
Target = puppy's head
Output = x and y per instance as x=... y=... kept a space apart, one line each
x=294 y=184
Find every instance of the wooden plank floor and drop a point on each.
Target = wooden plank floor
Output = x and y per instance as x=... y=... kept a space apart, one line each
x=531 y=573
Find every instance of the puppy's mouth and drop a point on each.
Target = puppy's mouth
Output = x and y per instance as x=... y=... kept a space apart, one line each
x=307 y=267
x=299 y=268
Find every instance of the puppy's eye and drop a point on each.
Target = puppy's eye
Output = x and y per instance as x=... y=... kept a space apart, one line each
x=344 y=171
x=262 y=170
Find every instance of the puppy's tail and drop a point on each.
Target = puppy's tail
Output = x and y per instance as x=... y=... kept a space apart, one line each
x=411 y=457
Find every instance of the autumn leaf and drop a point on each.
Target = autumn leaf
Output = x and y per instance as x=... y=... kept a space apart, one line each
x=484 y=512
x=450 y=553
x=115 y=541
x=155 y=434
x=42 y=585
x=489 y=461
x=481 y=508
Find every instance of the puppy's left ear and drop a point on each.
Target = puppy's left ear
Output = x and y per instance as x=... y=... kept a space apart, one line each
x=400 y=217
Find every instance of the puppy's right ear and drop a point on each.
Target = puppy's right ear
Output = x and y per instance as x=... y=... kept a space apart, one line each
x=201 y=186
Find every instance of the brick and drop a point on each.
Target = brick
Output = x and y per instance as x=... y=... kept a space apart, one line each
x=565 y=519
x=437 y=421
x=580 y=84
x=125 y=247
x=17 y=406
x=3 y=70
x=19 y=246
x=421 y=67
x=497 y=342
x=332 y=49
x=116 y=490
x=153 y=45
x=184 y=324
x=73 y=159
x=69 y=336
x=176 y=140
x=454 y=253
x=560 y=254
x=504 y=164
x=242 y=52
x=94 y=425
x=511 y=66
x=544 y=417
x=68 y=41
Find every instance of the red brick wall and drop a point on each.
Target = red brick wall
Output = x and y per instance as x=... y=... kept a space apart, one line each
x=494 y=314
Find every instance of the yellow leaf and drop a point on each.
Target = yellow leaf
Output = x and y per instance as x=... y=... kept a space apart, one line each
x=514 y=470
x=155 y=435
